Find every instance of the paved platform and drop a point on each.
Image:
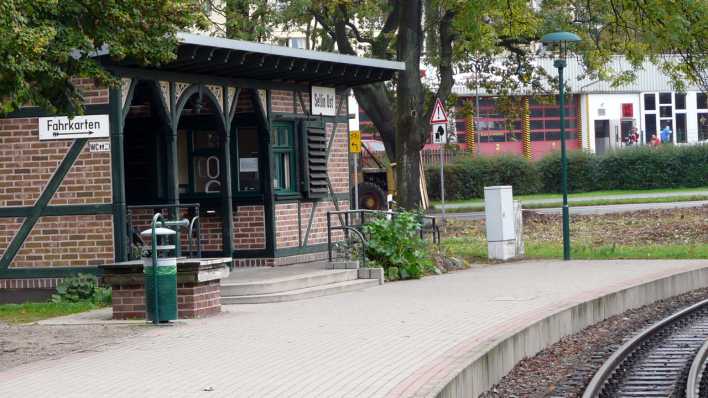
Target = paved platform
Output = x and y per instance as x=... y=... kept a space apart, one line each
x=398 y=339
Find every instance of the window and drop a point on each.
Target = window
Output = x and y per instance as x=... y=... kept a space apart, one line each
x=649 y=126
x=702 y=126
x=702 y=101
x=664 y=98
x=665 y=111
x=649 y=102
x=283 y=143
x=199 y=162
x=296 y=42
x=248 y=155
x=681 y=127
x=680 y=101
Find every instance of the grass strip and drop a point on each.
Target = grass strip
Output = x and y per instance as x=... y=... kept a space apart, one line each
x=476 y=250
x=594 y=194
x=589 y=202
x=32 y=312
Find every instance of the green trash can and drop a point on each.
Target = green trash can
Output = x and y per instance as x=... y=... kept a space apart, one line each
x=163 y=279
x=166 y=276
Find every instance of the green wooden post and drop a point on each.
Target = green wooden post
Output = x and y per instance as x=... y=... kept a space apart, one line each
x=226 y=193
x=172 y=164
x=120 y=228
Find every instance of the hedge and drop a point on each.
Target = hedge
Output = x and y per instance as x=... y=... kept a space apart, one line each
x=632 y=168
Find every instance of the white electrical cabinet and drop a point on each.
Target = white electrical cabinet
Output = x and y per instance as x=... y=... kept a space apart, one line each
x=501 y=220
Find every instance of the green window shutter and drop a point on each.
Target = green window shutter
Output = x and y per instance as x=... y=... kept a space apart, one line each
x=314 y=156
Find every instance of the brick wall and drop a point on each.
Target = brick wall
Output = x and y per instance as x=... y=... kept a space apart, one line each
x=283 y=101
x=249 y=228
x=286 y=225
x=91 y=93
x=26 y=166
x=194 y=300
x=68 y=241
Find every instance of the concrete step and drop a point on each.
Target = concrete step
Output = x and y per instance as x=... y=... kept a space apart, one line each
x=300 y=294
x=233 y=287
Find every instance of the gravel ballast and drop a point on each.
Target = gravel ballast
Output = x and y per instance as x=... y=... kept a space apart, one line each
x=563 y=369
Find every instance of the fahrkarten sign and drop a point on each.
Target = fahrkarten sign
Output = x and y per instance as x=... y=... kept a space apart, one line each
x=63 y=128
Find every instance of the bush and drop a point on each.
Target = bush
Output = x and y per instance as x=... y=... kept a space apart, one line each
x=581 y=172
x=467 y=177
x=642 y=167
x=82 y=288
x=396 y=246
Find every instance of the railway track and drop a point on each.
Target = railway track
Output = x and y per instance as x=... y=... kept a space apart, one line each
x=665 y=360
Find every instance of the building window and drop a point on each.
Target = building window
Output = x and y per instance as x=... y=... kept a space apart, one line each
x=665 y=111
x=649 y=102
x=296 y=42
x=680 y=101
x=702 y=126
x=664 y=98
x=199 y=162
x=702 y=101
x=649 y=126
x=284 y=157
x=247 y=159
x=681 y=128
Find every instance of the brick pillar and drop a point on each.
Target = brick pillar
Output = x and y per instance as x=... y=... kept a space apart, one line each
x=526 y=128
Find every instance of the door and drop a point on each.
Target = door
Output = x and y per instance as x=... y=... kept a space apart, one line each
x=602 y=136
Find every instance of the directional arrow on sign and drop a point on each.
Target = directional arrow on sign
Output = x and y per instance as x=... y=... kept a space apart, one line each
x=57 y=134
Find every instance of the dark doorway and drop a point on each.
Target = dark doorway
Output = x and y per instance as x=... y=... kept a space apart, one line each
x=144 y=142
x=602 y=136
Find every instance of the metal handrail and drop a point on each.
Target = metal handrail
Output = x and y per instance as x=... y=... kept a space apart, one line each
x=346 y=226
x=172 y=207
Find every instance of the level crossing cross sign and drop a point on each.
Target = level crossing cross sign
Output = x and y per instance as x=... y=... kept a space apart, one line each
x=439 y=116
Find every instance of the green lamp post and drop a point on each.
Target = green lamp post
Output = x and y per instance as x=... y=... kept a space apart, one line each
x=561 y=40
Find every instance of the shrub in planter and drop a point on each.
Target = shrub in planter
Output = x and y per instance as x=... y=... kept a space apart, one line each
x=396 y=246
x=582 y=167
x=466 y=178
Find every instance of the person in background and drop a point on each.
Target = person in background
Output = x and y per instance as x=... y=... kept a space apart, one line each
x=634 y=136
x=665 y=135
x=655 y=141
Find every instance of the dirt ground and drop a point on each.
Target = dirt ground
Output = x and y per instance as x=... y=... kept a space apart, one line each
x=21 y=344
x=672 y=226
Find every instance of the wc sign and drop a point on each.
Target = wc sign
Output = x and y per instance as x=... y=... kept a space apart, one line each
x=64 y=128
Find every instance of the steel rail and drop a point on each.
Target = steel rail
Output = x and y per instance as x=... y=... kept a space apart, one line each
x=603 y=375
x=695 y=375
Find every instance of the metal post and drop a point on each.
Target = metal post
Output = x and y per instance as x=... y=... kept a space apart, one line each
x=560 y=64
x=442 y=182
x=155 y=307
x=356 y=182
x=329 y=237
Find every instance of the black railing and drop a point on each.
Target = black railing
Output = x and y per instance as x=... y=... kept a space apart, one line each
x=354 y=221
x=193 y=228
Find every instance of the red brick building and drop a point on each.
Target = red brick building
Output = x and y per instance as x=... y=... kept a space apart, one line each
x=227 y=126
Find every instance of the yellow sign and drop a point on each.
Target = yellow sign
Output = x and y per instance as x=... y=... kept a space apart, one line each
x=355 y=141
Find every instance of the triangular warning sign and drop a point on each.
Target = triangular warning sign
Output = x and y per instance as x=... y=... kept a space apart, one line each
x=439 y=115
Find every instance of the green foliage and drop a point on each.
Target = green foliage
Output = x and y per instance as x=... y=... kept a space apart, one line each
x=635 y=168
x=581 y=172
x=396 y=246
x=31 y=312
x=82 y=288
x=467 y=178
x=45 y=43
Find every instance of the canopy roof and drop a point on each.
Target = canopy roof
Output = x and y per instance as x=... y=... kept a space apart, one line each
x=215 y=56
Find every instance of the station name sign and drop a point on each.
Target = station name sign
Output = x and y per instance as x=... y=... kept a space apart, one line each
x=323 y=101
x=64 y=128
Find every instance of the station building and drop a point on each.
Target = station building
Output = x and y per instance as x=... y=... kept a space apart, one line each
x=251 y=137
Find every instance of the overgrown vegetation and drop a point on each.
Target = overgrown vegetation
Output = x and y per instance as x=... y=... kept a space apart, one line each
x=631 y=168
x=396 y=246
x=646 y=234
x=82 y=288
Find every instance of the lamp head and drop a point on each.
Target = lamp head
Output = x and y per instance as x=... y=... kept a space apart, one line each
x=560 y=41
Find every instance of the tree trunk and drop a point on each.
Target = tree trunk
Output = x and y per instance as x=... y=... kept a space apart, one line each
x=410 y=121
